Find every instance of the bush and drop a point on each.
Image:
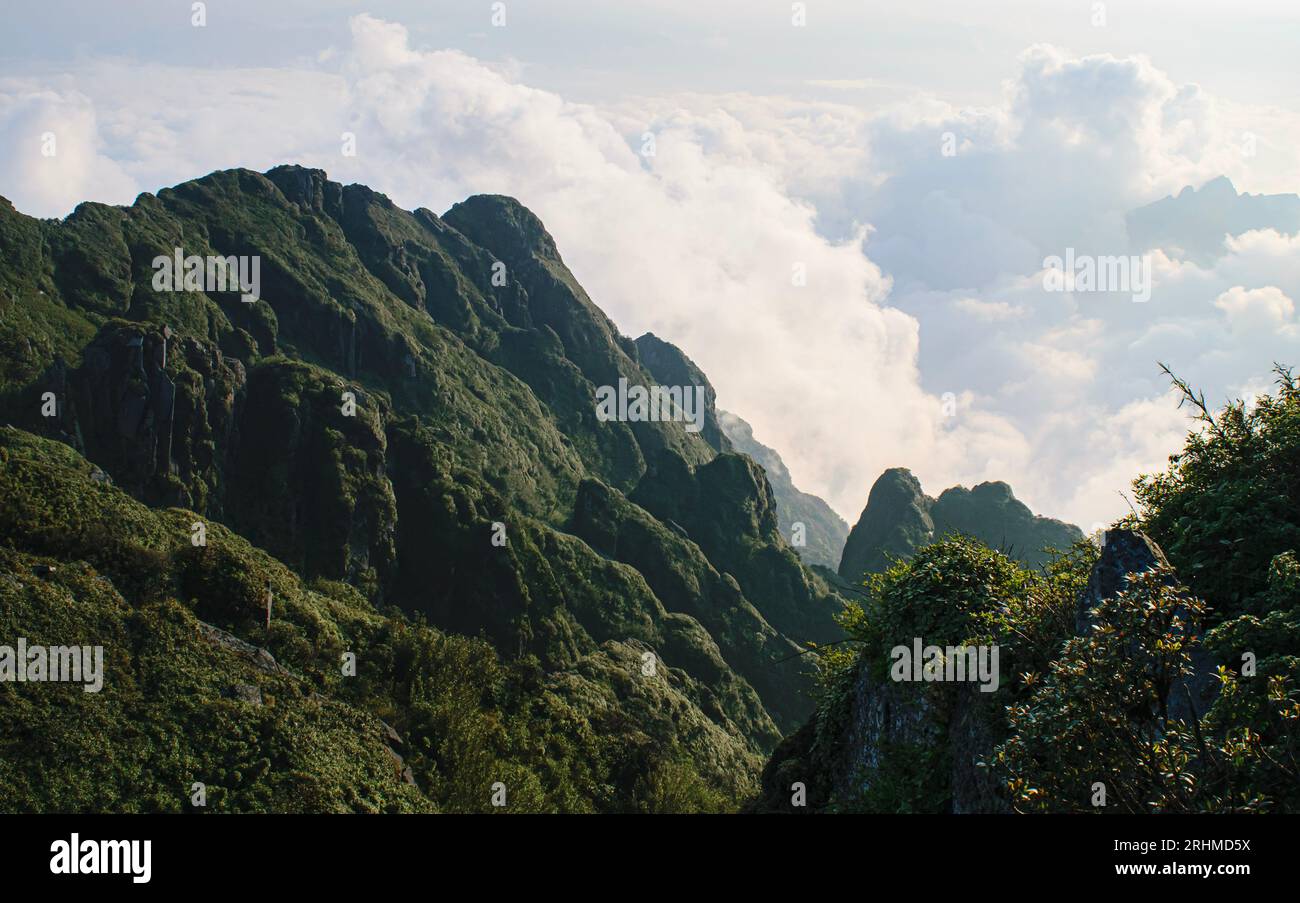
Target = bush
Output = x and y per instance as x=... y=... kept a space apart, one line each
x=1227 y=514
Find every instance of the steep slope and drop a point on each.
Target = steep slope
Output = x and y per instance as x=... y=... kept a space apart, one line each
x=821 y=537
x=671 y=367
x=408 y=409
x=196 y=689
x=824 y=531
x=894 y=524
x=899 y=519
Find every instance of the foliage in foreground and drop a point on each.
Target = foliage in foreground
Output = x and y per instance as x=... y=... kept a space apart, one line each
x=956 y=592
x=1226 y=512
x=1077 y=714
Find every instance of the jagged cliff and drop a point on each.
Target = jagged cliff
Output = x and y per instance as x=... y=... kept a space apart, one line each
x=824 y=531
x=408 y=410
x=1155 y=674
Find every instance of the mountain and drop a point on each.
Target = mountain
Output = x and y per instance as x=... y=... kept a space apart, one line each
x=667 y=364
x=899 y=519
x=824 y=531
x=822 y=535
x=1194 y=223
x=397 y=438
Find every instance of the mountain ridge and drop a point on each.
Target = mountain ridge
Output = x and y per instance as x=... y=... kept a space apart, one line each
x=408 y=410
x=1195 y=221
x=899 y=518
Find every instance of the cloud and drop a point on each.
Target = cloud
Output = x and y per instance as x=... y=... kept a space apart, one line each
x=700 y=242
x=56 y=155
x=1076 y=144
x=1256 y=308
x=987 y=310
x=921 y=267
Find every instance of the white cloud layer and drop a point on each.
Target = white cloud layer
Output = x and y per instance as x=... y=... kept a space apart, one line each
x=922 y=269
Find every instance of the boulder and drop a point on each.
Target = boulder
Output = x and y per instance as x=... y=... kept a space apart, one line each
x=1128 y=552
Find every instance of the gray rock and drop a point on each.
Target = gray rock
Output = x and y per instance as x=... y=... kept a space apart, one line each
x=247 y=693
x=261 y=658
x=1128 y=552
x=1123 y=552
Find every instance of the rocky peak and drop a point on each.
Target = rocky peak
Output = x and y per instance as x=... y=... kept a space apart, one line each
x=899 y=518
x=671 y=367
x=504 y=225
x=721 y=503
x=1125 y=553
x=310 y=189
x=896 y=521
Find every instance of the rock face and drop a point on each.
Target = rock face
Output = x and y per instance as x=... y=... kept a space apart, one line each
x=874 y=732
x=409 y=409
x=1128 y=552
x=1123 y=552
x=159 y=409
x=824 y=532
x=899 y=518
x=670 y=367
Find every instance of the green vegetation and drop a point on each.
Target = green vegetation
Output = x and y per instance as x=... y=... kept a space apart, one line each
x=80 y=562
x=1102 y=701
x=596 y=616
x=1227 y=514
x=404 y=447
x=881 y=746
x=1102 y=718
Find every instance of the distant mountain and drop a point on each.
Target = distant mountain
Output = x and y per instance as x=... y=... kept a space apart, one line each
x=824 y=531
x=670 y=366
x=1193 y=224
x=899 y=519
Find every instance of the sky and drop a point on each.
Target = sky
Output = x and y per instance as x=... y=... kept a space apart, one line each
x=845 y=222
